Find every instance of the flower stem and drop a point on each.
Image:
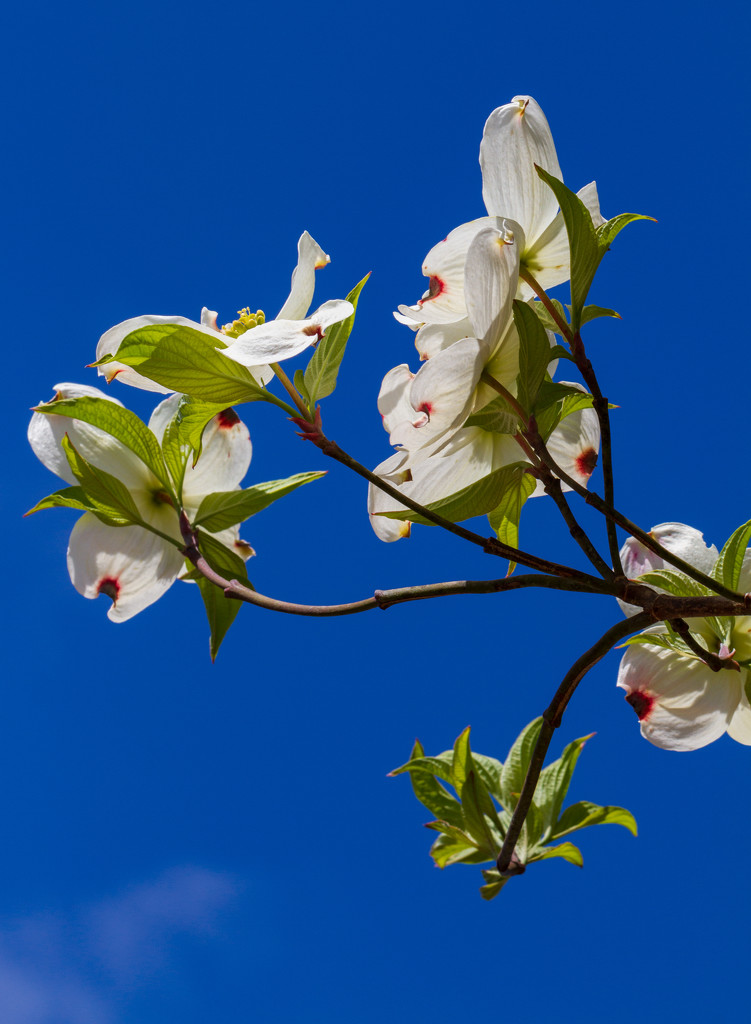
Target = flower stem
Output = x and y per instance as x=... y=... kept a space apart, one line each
x=542 y=295
x=291 y=390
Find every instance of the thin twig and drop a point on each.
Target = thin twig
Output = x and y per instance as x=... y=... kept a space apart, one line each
x=542 y=295
x=712 y=660
x=551 y=719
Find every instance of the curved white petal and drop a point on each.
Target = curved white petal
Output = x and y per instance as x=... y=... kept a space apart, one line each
x=491 y=275
x=391 y=471
x=110 y=341
x=129 y=564
x=393 y=398
x=101 y=449
x=163 y=414
x=434 y=338
x=680 y=702
x=208 y=318
x=575 y=444
x=310 y=257
x=444 y=301
x=225 y=457
x=282 y=339
x=441 y=395
x=683 y=541
x=516 y=137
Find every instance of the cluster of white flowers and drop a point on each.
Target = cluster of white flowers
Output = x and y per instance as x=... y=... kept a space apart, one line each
x=466 y=330
x=680 y=702
x=132 y=564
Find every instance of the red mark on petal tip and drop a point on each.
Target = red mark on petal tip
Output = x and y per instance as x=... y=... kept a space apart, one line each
x=437 y=287
x=427 y=408
x=313 y=331
x=110 y=586
x=641 y=702
x=227 y=419
x=586 y=462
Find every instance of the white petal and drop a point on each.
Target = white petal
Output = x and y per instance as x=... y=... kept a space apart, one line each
x=681 y=540
x=110 y=341
x=591 y=200
x=491 y=276
x=516 y=137
x=441 y=395
x=434 y=338
x=282 y=339
x=681 y=703
x=129 y=564
x=393 y=398
x=444 y=265
x=225 y=456
x=310 y=257
x=163 y=414
x=101 y=449
x=391 y=471
x=208 y=318
x=575 y=444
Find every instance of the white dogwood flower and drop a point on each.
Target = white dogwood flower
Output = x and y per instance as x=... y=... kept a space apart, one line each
x=288 y=334
x=681 y=540
x=515 y=139
x=130 y=564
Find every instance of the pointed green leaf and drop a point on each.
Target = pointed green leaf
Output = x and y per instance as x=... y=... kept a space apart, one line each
x=673 y=581
x=607 y=232
x=193 y=415
x=449 y=850
x=221 y=611
x=474 y=800
x=546 y=318
x=116 y=421
x=186 y=360
x=299 y=382
x=568 y=851
x=584 y=813
x=504 y=518
x=323 y=368
x=534 y=354
x=462 y=764
x=225 y=508
x=475 y=500
x=494 y=882
x=103 y=492
x=438 y=766
x=583 y=243
x=728 y=567
x=516 y=764
x=554 y=784
x=432 y=794
x=66 y=497
x=595 y=312
x=497 y=417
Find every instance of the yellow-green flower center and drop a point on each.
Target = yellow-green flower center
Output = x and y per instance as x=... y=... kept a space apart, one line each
x=246 y=321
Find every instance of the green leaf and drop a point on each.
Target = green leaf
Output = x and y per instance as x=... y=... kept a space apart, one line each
x=323 y=368
x=583 y=244
x=475 y=500
x=104 y=493
x=116 y=421
x=584 y=814
x=494 y=882
x=673 y=581
x=474 y=801
x=449 y=850
x=225 y=508
x=568 y=851
x=504 y=518
x=186 y=360
x=595 y=312
x=489 y=769
x=547 y=320
x=462 y=764
x=220 y=610
x=516 y=764
x=554 y=784
x=193 y=415
x=453 y=832
x=727 y=568
x=66 y=497
x=432 y=794
x=497 y=417
x=555 y=401
x=439 y=766
x=299 y=382
x=534 y=354
x=607 y=232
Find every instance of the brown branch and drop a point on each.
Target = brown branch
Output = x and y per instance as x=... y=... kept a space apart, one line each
x=551 y=719
x=712 y=660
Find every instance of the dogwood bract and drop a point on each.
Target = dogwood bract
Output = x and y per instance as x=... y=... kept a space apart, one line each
x=251 y=339
x=681 y=703
x=130 y=564
x=515 y=139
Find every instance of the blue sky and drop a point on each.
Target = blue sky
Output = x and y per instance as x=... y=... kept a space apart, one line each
x=194 y=842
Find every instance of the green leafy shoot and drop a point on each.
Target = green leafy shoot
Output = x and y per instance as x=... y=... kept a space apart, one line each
x=472 y=797
x=225 y=508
